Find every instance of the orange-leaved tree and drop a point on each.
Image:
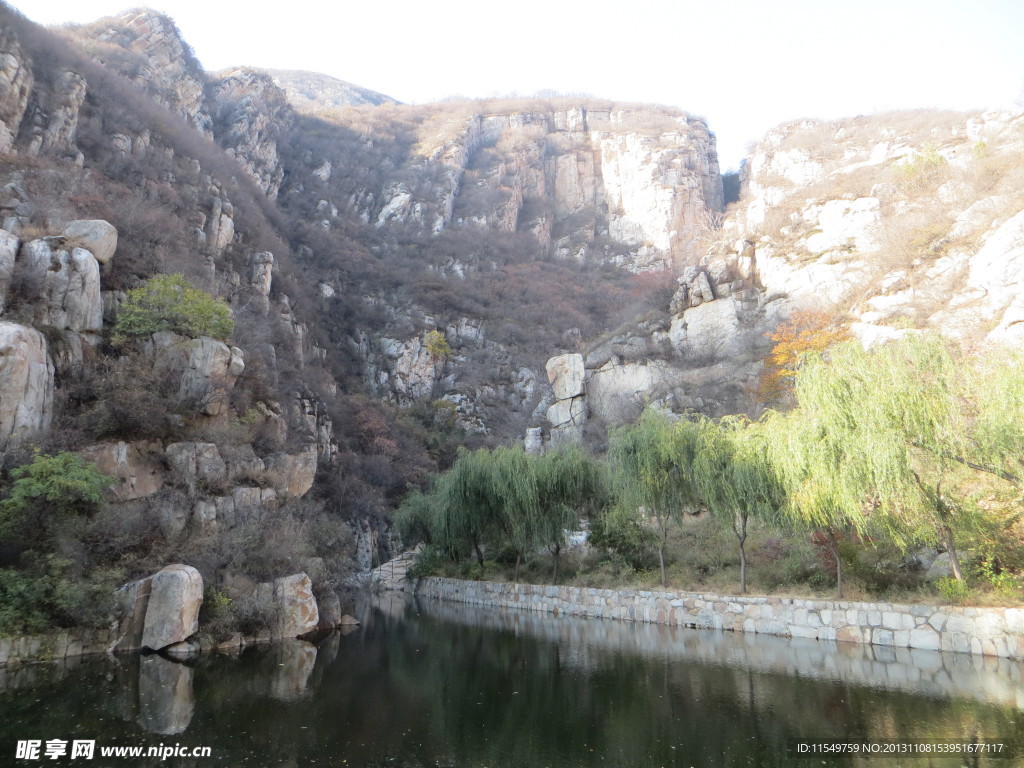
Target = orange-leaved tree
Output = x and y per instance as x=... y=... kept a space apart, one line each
x=805 y=331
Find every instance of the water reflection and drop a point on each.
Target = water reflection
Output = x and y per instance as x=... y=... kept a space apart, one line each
x=442 y=684
x=587 y=641
x=166 y=702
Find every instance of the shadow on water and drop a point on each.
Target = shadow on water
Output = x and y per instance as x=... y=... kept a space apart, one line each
x=442 y=684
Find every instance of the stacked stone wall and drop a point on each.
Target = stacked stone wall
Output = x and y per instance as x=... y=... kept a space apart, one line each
x=982 y=631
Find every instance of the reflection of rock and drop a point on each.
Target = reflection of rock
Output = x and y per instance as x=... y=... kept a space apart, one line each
x=165 y=695
x=293 y=664
x=173 y=612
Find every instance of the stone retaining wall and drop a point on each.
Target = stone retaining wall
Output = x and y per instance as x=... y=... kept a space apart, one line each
x=55 y=646
x=984 y=631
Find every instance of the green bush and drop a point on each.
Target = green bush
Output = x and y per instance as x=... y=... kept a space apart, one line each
x=48 y=488
x=170 y=303
x=22 y=598
x=953 y=590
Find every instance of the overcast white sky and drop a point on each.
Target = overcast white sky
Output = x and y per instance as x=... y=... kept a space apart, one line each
x=745 y=65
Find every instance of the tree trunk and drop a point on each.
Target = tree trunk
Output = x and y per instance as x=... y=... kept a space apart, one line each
x=515 y=578
x=741 y=535
x=834 y=547
x=661 y=562
x=743 y=567
x=954 y=558
x=479 y=555
x=557 y=553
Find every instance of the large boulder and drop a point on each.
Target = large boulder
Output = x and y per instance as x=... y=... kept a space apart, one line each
x=132 y=600
x=290 y=601
x=26 y=384
x=94 y=235
x=294 y=473
x=172 y=615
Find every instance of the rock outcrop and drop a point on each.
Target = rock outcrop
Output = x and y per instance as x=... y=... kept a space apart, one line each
x=172 y=610
x=16 y=82
x=137 y=468
x=208 y=369
x=290 y=601
x=66 y=282
x=251 y=114
x=94 y=235
x=26 y=384
x=163 y=64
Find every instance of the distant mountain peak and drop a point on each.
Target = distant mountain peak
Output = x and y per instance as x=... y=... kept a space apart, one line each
x=317 y=92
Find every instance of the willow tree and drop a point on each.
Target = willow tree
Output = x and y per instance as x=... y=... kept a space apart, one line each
x=733 y=477
x=653 y=463
x=513 y=492
x=467 y=505
x=570 y=484
x=900 y=434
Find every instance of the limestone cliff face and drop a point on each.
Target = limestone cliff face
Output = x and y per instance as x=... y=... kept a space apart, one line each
x=15 y=87
x=912 y=221
x=632 y=187
x=896 y=223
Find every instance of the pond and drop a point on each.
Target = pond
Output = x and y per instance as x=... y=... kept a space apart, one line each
x=428 y=683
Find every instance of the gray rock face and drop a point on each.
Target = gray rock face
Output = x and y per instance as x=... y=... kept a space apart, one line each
x=294 y=472
x=53 y=116
x=26 y=384
x=290 y=601
x=567 y=375
x=173 y=611
x=15 y=86
x=255 y=111
x=165 y=68
x=67 y=285
x=132 y=600
x=198 y=464
x=8 y=255
x=137 y=467
x=208 y=369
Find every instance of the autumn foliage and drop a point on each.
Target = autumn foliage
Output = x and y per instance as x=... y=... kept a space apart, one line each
x=805 y=331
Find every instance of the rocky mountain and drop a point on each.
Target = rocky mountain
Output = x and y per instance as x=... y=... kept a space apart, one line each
x=888 y=224
x=405 y=279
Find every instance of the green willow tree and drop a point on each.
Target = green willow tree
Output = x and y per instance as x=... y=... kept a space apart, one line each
x=504 y=498
x=653 y=462
x=733 y=477
x=899 y=437
x=570 y=485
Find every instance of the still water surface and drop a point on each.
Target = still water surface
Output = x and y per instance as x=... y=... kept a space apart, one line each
x=443 y=684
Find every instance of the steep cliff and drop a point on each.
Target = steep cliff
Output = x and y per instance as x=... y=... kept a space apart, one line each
x=889 y=225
